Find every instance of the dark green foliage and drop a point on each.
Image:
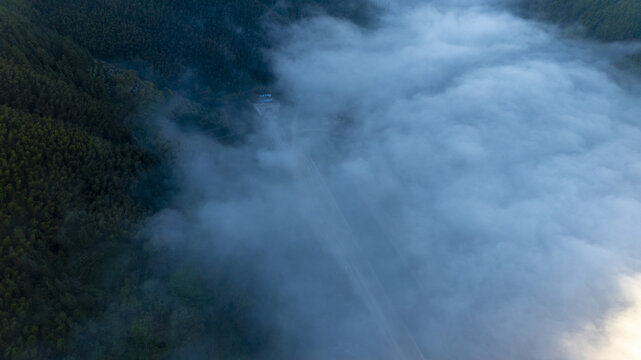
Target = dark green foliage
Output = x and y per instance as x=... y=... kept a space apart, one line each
x=74 y=189
x=608 y=20
x=604 y=20
x=67 y=167
x=172 y=312
x=219 y=39
x=168 y=35
x=75 y=186
x=64 y=195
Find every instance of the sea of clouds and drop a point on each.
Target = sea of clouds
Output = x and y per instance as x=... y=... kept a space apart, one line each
x=453 y=182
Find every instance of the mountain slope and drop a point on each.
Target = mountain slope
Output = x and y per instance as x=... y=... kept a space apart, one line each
x=607 y=20
x=68 y=164
x=75 y=186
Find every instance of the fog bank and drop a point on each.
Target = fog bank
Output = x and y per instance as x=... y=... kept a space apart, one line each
x=453 y=183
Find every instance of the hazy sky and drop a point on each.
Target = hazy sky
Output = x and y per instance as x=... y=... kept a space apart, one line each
x=454 y=183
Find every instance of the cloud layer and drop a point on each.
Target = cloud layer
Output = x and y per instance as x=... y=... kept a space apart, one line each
x=455 y=183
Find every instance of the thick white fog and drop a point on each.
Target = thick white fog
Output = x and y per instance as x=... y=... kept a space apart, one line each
x=453 y=183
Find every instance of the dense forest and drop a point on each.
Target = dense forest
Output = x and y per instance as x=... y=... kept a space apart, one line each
x=603 y=20
x=68 y=167
x=608 y=20
x=76 y=182
x=222 y=41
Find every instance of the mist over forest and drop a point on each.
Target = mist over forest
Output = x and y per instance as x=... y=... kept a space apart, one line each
x=318 y=179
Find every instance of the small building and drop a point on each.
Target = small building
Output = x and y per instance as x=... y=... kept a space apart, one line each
x=265 y=105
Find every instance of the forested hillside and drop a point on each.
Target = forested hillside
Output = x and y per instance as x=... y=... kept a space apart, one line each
x=604 y=20
x=222 y=41
x=67 y=167
x=74 y=189
x=608 y=20
x=75 y=185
